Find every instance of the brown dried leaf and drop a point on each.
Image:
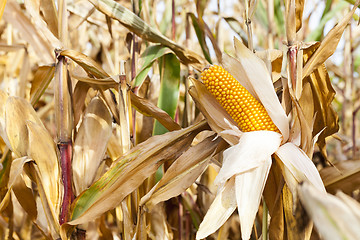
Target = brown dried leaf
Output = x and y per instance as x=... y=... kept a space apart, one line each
x=147 y=108
x=17 y=112
x=323 y=118
x=328 y=45
x=299 y=8
x=290 y=22
x=128 y=172
x=42 y=47
x=299 y=226
x=182 y=173
x=87 y=63
x=80 y=91
x=43 y=150
x=41 y=80
x=344 y=176
x=49 y=11
x=90 y=144
x=142 y=29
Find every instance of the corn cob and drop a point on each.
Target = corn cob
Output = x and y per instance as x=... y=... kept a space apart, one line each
x=246 y=111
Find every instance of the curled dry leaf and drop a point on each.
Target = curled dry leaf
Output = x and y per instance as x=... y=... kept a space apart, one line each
x=182 y=173
x=344 y=176
x=329 y=44
x=90 y=144
x=17 y=112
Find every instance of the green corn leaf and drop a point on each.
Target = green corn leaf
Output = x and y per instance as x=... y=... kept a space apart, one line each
x=169 y=89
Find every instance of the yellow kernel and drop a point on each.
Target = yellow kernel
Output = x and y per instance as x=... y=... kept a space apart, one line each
x=246 y=111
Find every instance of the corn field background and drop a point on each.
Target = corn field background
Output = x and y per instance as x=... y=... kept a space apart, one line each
x=105 y=133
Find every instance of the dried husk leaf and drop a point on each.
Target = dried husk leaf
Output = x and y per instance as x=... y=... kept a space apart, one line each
x=299 y=165
x=344 y=176
x=79 y=95
x=90 y=144
x=220 y=210
x=218 y=119
x=333 y=218
x=249 y=187
x=329 y=44
x=246 y=155
x=15 y=172
x=182 y=173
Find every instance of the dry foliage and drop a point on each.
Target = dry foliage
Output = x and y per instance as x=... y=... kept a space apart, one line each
x=107 y=133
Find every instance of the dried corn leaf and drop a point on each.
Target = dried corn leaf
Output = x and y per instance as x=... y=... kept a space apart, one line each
x=22 y=192
x=41 y=80
x=3 y=99
x=52 y=216
x=90 y=144
x=298 y=225
x=42 y=46
x=17 y=112
x=87 y=63
x=318 y=98
x=147 y=108
x=160 y=229
x=49 y=12
x=128 y=172
x=142 y=29
x=273 y=199
x=182 y=173
x=329 y=44
x=344 y=176
x=2 y=8
x=42 y=150
x=290 y=21
x=80 y=91
x=299 y=8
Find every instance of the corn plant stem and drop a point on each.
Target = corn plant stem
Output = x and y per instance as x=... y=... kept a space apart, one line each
x=292 y=60
x=248 y=26
x=64 y=125
x=65 y=149
x=173 y=29
x=265 y=222
x=354 y=131
x=180 y=213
